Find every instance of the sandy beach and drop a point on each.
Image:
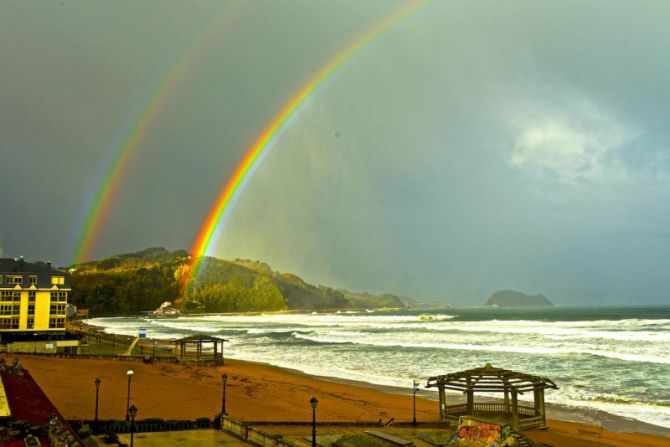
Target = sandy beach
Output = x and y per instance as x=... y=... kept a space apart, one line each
x=257 y=392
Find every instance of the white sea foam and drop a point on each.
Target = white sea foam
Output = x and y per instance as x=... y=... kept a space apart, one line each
x=587 y=356
x=333 y=338
x=629 y=408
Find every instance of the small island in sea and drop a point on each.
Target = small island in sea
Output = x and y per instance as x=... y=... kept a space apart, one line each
x=512 y=298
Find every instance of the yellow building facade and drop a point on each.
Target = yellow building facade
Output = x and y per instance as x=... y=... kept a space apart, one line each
x=33 y=298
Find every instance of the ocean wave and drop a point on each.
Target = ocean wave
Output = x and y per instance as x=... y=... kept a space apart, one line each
x=393 y=349
x=616 y=399
x=555 y=331
x=535 y=350
x=649 y=412
x=259 y=331
x=570 y=396
x=356 y=319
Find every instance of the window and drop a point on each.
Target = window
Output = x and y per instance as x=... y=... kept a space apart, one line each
x=9 y=323
x=55 y=323
x=8 y=309
x=31 y=309
x=10 y=295
x=58 y=296
x=31 y=295
x=58 y=280
x=57 y=309
x=32 y=279
x=31 y=323
x=14 y=279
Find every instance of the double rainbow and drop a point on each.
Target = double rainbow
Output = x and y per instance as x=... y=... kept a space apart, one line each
x=101 y=203
x=208 y=234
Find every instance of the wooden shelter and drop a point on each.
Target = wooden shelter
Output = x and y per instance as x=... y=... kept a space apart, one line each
x=186 y=355
x=490 y=379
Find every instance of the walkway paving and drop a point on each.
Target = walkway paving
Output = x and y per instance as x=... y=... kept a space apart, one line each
x=190 y=438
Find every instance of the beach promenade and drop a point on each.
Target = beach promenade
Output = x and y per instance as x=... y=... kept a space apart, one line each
x=272 y=398
x=257 y=392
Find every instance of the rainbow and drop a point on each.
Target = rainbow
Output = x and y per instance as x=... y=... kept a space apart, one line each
x=208 y=233
x=105 y=195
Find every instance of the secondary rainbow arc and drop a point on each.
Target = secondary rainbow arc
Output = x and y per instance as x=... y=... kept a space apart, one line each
x=110 y=185
x=264 y=142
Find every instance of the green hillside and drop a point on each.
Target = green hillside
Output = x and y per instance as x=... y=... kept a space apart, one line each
x=135 y=282
x=368 y=301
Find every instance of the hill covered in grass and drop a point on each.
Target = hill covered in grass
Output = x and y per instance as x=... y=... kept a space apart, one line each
x=135 y=282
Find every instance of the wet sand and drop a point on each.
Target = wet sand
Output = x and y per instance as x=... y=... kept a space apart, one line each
x=257 y=392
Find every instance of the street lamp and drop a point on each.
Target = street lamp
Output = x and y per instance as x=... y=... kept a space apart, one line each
x=130 y=377
x=97 y=392
x=415 y=388
x=313 y=402
x=224 y=378
x=132 y=411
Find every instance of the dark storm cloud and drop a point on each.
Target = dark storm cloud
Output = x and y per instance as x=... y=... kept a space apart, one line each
x=473 y=147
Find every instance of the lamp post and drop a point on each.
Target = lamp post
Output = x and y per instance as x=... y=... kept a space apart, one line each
x=313 y=402
x=224 y=378
x=97 y=392
x=130 y=378
x=132 y=411
x=415 y=388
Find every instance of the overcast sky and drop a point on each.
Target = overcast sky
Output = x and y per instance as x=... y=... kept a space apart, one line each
x=475 y=146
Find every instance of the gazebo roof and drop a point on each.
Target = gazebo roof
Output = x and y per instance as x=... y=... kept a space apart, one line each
x=490 y=379
x=202 y=338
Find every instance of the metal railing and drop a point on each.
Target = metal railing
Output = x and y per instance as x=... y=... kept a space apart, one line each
x=455 y=409
x=145 y=425
x=252 y=435
x=532 y=422
x=529 y=417
x=490 y=407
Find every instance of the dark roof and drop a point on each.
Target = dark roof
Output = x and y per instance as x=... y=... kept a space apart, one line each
x=44 y=272
x=199 y=338
x=11 y=265
x=490 y=379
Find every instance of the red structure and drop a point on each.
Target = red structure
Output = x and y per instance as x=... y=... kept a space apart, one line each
x=27 y=402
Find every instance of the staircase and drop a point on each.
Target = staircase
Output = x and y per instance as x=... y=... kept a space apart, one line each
x=131 y=347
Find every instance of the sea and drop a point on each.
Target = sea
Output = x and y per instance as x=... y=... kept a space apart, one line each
x=612 y=359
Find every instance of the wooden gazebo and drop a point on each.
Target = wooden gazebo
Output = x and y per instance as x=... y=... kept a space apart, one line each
x=490 y=379
x=186 y=355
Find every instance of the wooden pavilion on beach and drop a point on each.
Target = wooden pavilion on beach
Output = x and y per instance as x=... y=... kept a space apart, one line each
x=490 y=379
x=186 y=355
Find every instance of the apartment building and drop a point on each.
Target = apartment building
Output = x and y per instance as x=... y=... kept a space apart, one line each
x=33 y=299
